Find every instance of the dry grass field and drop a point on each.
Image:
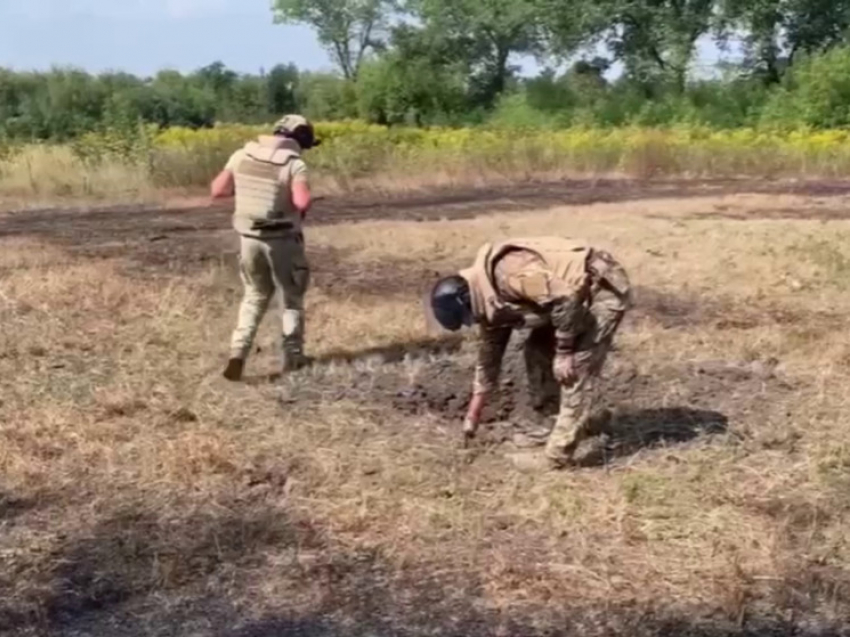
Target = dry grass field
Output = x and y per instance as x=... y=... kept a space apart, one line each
x=142 y=495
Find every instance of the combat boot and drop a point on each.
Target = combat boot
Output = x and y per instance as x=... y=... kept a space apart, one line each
x=234 y=369
x=293 y=351
x=293 y=361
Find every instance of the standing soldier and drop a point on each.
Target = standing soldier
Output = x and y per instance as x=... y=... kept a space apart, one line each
x=572 y=296
x=269 y=181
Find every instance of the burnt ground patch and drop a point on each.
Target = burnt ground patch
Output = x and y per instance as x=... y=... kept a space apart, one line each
x=139 y=222
x=182 y=247
x=667 y=403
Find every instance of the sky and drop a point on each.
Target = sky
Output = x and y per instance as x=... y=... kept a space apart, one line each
x=145 y=36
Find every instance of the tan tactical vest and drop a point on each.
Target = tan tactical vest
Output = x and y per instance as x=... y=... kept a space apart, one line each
x=263 y=199
x=566 y=258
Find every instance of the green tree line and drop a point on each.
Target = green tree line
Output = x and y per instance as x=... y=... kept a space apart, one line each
x=452 y=62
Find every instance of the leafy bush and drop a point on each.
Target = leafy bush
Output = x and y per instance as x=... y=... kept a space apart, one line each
x=816 y=93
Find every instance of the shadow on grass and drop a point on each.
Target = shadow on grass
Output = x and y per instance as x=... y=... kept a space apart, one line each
x=612 y=621
x=139 y=552
x=247 y=569
x=12 y=506
x=397 y=352
x=630 y=431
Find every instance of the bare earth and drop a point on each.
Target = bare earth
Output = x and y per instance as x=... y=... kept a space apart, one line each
x=140 y=494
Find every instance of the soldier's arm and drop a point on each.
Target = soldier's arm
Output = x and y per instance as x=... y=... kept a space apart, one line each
x=224 y=185
x=569 y=316
x=301 y=196
x=491 y=349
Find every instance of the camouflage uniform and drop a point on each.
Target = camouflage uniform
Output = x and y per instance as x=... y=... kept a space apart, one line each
x=272 y=255
x=525 y=279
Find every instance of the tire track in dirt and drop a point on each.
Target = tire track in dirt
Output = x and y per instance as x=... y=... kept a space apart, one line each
x=116 y=223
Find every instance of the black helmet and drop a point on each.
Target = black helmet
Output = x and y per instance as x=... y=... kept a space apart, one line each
x=450 y=303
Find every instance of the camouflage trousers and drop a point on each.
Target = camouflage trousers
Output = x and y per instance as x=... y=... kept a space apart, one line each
x=266 y=266
x=611 y=299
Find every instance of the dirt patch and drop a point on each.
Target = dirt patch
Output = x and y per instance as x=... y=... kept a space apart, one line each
x=140 y=222
x=667 y=403
x=734 y=386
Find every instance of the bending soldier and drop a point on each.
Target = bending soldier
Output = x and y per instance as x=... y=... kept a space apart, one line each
x=572 y=296
x=269 y=180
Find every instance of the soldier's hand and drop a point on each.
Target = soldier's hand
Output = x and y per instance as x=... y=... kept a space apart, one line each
x=564 y=368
